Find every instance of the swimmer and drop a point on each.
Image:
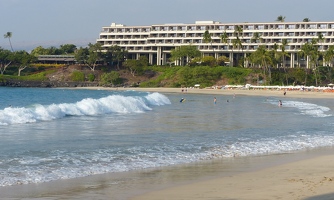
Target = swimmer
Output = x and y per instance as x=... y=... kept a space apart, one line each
x=214 y=100
x=279 y=103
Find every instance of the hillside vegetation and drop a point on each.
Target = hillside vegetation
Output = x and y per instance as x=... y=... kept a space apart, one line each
x=172 y=76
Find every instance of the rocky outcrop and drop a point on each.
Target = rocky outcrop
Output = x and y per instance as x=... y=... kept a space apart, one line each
x=45 y=84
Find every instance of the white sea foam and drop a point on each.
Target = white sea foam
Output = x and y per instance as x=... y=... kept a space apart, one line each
x=304 y=108
x=65 y=165
x=88 y=106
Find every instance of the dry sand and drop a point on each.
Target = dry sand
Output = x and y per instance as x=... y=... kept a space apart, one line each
x=259 y=92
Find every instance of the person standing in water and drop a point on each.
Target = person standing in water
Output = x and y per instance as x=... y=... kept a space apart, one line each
x=214 y=100
x=279 y=103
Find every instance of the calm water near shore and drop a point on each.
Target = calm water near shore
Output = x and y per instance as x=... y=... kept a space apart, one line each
x=50 y=135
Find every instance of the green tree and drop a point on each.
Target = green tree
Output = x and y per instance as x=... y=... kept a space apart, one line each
x=39 y=51
x=110 y=78
x=306 y=20
x=209 y=61
x=6 y=58
x=262 y=58
x=329 y=55
x=283 y=52
x=9 y=35
x=81 y=55
x=222 y=60
x=238 y=32
x=189 y=52
x=115 y=54
x=207 y=37
x=280 y=18
x=310 y=51
x=225 y=39
x=257 y=38
x=89 y=56
x=24 y=60
x=136 y=66
x=67 y=48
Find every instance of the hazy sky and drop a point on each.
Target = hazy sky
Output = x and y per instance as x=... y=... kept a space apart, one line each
x=55 y=22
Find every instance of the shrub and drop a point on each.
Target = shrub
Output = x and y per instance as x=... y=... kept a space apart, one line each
x=77 y=76
x=91 y=77
x=110 y=78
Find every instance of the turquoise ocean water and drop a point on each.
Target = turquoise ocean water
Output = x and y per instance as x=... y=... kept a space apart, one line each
x=54 y=134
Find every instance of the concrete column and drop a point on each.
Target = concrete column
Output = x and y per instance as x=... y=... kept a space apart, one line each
x=164 y=59
x=150 y=58
x=231 y=59
x=292 y=60
x=158 y=55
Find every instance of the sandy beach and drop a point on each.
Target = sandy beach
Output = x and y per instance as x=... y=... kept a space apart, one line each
x=309 y=179
x=251 y=92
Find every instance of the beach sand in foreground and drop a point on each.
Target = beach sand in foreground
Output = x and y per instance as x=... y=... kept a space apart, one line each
x=304 y=175
x=310 y=179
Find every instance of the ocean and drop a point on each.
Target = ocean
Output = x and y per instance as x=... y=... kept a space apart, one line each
x=49 y=135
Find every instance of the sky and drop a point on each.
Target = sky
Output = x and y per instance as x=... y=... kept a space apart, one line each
x=55 y=22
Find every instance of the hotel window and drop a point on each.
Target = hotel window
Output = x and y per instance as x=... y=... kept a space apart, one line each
x=323 y=26
x=312 y=26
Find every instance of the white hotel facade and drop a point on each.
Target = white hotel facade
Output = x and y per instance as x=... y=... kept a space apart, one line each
x=156 y=41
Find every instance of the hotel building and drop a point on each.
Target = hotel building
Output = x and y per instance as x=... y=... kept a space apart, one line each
x=156 y=41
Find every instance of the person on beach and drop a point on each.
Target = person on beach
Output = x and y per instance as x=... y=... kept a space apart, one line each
x=214 y=100
x=284 y=93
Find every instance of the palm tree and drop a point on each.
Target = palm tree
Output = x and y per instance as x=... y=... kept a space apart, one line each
x=224 y=39
x=207 y=37
x=284 y=53
x=280 y=18
x=9 y=35
x=262 y=58
x=276 y=54
x=306 y=20
x=329 y=55
x=238 y=32
x=310 y=51
x=320 y=40
x=256 y=37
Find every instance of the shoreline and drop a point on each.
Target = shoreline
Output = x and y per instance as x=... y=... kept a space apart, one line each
x=252 y=92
